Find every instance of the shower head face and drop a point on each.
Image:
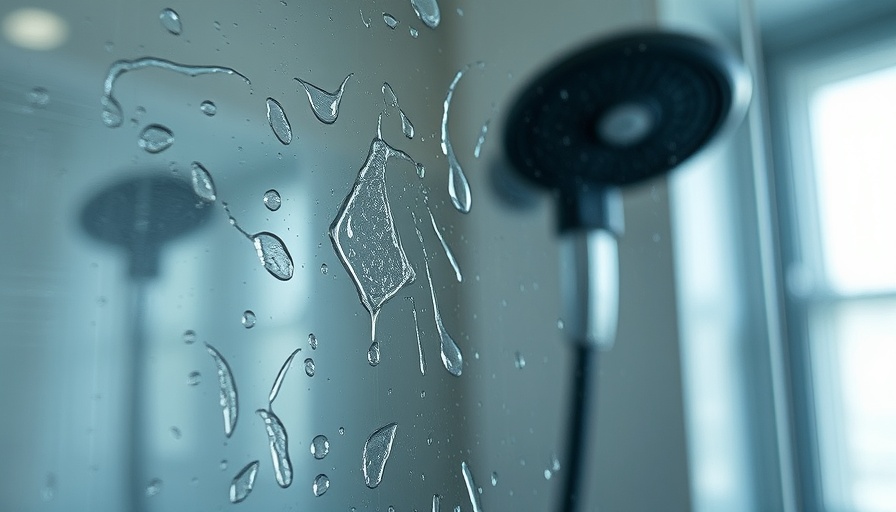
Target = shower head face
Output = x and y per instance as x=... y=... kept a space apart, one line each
x=622 y=111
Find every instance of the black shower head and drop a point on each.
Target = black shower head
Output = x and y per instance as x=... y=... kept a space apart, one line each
x=621 y=111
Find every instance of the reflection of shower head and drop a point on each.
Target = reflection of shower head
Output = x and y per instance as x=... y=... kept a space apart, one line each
x=141 y=215
x=619 y=112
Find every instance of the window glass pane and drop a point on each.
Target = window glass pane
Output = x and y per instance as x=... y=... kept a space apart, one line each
x=852 y=123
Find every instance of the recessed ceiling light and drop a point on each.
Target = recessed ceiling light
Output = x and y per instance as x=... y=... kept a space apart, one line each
x=35 y=29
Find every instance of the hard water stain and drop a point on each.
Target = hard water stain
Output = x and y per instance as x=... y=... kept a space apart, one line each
x=376 y=453
x=325 y=105
x=279 y=445
x=155 y=138
x=228 y=398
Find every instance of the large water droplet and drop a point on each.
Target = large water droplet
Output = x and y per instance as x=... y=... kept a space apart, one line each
x=189 y=336
x=390 y=20
x=278 y=442
x=448 y=253
x=112 y=114
x=312 y=341
x=248 y=319
x=272 y=200
x=203 y=186
x=226 y=389
x=243 y=482
x=194 y=378
x=208 y=108
x=471 y=487
x=373 y=354
x=278 y=121
x=38 y=97
x=325 y=105
x=309 y=367
x=278 y=381
x=320 y=485
x=428 y=12
x=153 y=487
x=273 y=255
x=376 y=453
x=419 y=343
x=155 y=138
x=458 y=186
x=373 y=256
x=452 y=359
x=320 y=446
x=171 y=21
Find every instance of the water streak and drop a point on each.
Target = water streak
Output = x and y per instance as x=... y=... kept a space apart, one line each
x=243 y=482
x=458 y=186
x=448 y=253
x=436 y=503
x=278 y=121
x=278 y=381
x=227 y=394
x=391 y=100
x=452 y=359
x=279 y=444
x=471 y=487
x=417 y=331
x=325 y=105
x=112 y=113
x=376 y=453
x=203 y=186
x=428 y=12
x=481 y=140
x=374 y=256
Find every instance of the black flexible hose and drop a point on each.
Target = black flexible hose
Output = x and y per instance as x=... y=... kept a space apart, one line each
x=583 y=394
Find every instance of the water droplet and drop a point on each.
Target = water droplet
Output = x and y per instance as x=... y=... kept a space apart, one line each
x=272 y=200
x=176 y=433
x=458 y=186
x=278 y=442
x=555 y=463
x=243 y=482
x=414 y=32
x=419 y=343
x=171 y=21
x=248 y=319
x=228 y=398
x=320 y=485
x=38 y=97
x=494 y=478
x=547 y=474
x=373 y=354
x=320 y=446
x=519 y=361
x=341 y=431
x=436 y=503
x=452 y=359
x=373 y=256
x=208 y=108
x=155 y=138
x=448 y=253
x=312 y=341
x=194 y=378
x=203 y=186
x=112 y=114
x=309 y=367
x=471 y=487
x=48 y=491
x=421 y=171
x=325 y=105
x=189 y=336
x=481 y=140
x=406 y=126
x=324 y=268
x=423 y=394
x=460 y=12
x=223 y=464
x=429 y=441
x=278 y=381
x=376 y=453
x=428 y=12
x=154 y=487
x=560 y=324
x=390 y=20
x=273 y=255
x=391 y=101
x=278 y=121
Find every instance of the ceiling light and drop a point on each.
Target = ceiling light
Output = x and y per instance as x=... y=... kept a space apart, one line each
x=35 y=29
